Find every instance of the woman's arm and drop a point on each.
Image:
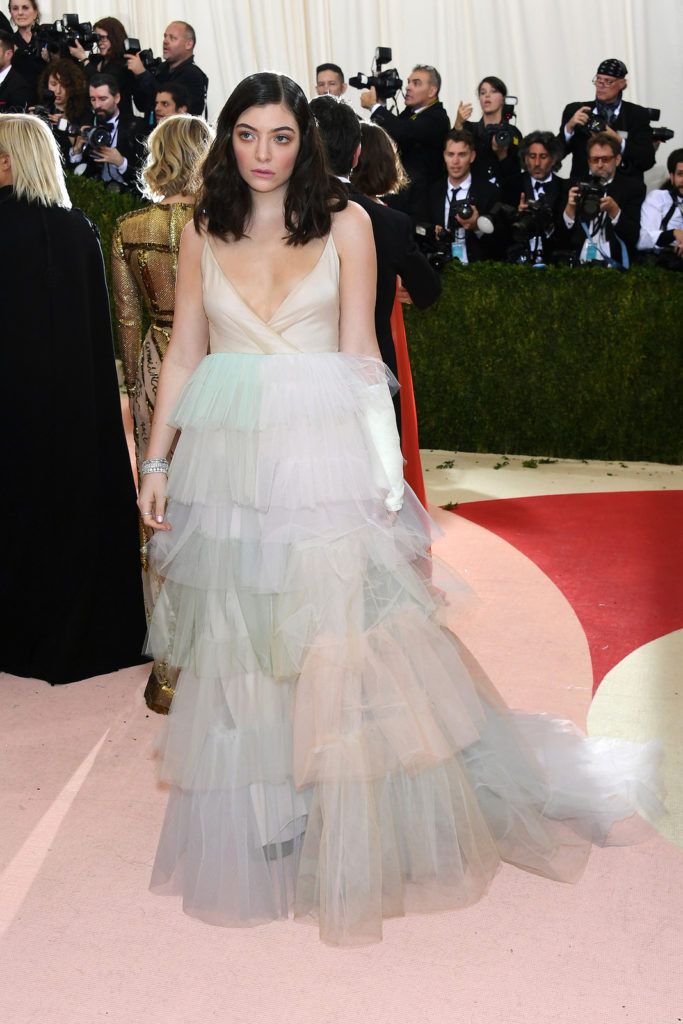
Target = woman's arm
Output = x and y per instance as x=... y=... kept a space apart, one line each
x=127 y=312
x=354 y=241
x=187 y=347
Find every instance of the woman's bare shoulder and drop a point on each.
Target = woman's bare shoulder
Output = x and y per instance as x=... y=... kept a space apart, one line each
x=351 y=225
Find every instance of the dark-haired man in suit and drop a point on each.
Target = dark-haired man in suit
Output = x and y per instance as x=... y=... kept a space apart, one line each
x=473 y=239
x=537 y=183
x=609 y=236
x=117 y=164
x=14 y=91
x=627 y=123
x=397 y=252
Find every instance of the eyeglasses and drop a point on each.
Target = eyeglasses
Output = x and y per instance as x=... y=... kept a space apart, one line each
x=606 y=82
x=601 y=159
x=99 y=36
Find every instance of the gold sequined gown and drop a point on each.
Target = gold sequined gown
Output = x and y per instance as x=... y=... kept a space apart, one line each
x=144 y=266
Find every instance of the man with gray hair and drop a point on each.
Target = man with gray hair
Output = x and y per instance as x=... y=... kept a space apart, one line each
x=178 y=67
x=418 y=131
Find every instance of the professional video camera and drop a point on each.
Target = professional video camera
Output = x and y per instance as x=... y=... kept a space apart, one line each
x=387 y=82
x=60 y=35
x=659 y=134
x=588 y=197
x=150 y=62
x=502 y=132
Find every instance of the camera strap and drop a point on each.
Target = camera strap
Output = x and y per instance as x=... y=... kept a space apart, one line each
x=625 y=261
x=675 y=204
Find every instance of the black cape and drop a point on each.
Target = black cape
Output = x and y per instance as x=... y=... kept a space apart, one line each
x=71 y=602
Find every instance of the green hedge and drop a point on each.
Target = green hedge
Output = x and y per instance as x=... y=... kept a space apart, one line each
x=570 y=363
x=583 y=363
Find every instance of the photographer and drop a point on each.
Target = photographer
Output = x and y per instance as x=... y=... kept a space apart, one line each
x=63 y=92
x=109 y=60
x=602 y=215
x=14 y=91
x=170 y=99
x=329 y=80
x=29 y=60
x=627 y=123
x=496 y=140
x=418 y=131
x=178 y=67
x=456 y=204
x=537 y=188
x=116 y=159
x=661 y=217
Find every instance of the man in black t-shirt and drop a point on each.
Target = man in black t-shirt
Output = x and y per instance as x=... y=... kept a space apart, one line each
x=178 y=67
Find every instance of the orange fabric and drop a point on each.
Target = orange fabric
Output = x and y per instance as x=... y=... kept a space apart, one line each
x=409 y=439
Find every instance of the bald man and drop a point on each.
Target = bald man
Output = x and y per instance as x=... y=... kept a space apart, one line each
x=178 y=67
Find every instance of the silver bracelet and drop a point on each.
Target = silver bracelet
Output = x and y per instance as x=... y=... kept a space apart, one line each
x=154 y=466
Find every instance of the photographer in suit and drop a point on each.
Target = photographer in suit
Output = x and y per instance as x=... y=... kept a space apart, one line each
x=540 y=152
x=117 y=163
x=661 y=217
x=604 y=221
x=418 y=131
x=14 y=91
x=178 y=67
x=443 y=205
x=397 y=253
x=627 y=123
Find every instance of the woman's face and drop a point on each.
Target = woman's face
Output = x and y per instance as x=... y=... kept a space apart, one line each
x=491 y=99
x=103 y=41
x=55 y=86
x=23 y=13
x=266 y=142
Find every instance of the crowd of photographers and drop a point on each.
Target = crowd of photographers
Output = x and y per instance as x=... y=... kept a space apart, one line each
x=476 y=189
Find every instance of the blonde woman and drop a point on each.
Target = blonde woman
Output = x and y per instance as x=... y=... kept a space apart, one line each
x=144 y=263
x=71 y=602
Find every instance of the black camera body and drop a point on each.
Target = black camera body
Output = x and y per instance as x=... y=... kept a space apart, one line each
x=387 y=82
x=462 y=208
x=57 y=37
x=588 y=196
x=436 y=248
x=502 y=132
x=149 y=61
x=659 y=134
x=533 y=222
x=595 y=123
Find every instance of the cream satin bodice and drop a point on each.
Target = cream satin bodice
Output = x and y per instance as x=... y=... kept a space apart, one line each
x=306 y=321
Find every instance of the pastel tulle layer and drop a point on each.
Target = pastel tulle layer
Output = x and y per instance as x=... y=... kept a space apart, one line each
x=332 y=750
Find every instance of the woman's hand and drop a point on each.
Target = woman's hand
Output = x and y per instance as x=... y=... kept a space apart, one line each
x=464 y=114
x=152 y=501
x=77 y=51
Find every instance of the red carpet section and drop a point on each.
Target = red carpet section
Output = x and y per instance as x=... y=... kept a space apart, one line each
x=617 y=558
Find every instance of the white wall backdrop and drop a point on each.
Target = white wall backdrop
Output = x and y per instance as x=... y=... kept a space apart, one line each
x=546 y=51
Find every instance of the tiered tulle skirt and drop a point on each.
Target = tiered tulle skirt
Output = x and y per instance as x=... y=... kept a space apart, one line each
x=332 y=751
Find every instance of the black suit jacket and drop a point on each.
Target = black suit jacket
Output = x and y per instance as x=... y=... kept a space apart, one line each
x=629 y=194
x=420 y=140
x=484 y=195
x=15 y=93
x=639 y=151
x=130 y=144
x=556 y=191
x=186 y=74
x=488 y=164
x=397 y=256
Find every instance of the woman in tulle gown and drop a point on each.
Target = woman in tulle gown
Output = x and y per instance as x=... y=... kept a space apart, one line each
x=331 y=749
x=144 y=261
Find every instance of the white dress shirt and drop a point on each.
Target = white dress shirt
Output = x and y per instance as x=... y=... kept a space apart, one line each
x=110 y=172
x=656 y=205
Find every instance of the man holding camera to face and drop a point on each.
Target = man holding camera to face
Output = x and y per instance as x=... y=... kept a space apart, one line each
x=112 y=149
x=178 y=67
x=602 y=214
x=539 y=196
x=418 y=131
x=627 y=123
x=458 y=205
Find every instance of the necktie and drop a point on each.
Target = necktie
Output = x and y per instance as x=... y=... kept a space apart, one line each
x=539 y=186
x=452 y=223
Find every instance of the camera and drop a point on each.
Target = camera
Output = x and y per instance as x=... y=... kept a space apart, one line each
x=588 y=197
x=149 y=61
x=462 y=208
x=532 y=222
x=502 y=132
x=46 y=107
x=60 y=35
x=595 y=123
x=387 y=82
x=659 y=134
x=435 y=248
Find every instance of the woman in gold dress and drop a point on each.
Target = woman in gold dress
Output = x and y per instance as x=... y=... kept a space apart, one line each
x=144 y=264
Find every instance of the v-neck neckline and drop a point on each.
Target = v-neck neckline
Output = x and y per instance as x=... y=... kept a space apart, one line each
x=290 y=293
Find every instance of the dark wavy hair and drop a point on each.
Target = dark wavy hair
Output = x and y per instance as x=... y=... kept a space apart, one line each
x=496 y=83
x=117 y=36
x=313 y=194
x=379 y=170
x=73 y=78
